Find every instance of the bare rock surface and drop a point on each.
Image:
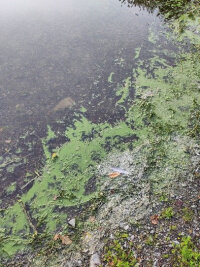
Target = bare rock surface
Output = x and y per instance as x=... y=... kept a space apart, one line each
x=95 y=260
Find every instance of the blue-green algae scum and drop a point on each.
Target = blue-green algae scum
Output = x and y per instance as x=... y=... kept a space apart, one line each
x=81 y=80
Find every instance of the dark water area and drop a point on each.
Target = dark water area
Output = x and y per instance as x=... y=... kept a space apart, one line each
x=55 y=50
x=51 y=50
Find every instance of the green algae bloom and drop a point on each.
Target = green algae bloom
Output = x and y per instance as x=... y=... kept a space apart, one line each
x=165 y=100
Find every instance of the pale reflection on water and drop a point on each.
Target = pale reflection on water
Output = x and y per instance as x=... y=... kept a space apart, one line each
x=55 y=57
x=54 y=49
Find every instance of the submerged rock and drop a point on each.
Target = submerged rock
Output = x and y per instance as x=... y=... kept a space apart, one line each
x=64 y=103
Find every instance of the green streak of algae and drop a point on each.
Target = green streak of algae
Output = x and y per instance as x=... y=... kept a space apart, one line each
x=137 y=52
x=110 y=77
x=123 y=91
x=11 y=188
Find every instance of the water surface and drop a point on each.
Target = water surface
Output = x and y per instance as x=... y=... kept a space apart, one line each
x=53 y=50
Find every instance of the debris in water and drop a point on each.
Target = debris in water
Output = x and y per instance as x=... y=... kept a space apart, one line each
x=121 y=171
x=114 y=174
x=64 y=103
x=54 y=155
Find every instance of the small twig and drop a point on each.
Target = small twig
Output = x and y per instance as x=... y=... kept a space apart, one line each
x=24 y=186
x=28 y=217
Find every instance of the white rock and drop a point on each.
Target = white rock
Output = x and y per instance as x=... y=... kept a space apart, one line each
x=95 y=260
x=72 y=222
x=126 y=227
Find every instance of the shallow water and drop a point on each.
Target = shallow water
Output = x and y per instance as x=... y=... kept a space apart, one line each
x=51 y=50
x=54 y=50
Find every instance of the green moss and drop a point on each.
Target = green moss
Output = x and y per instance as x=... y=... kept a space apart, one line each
x=187 y=214
x=167 y=213
x=115 y=255
x=83 y=109
x=165 y=256
x=186 y=253
x=173 y=227
x=149 y=240
x=164 y=198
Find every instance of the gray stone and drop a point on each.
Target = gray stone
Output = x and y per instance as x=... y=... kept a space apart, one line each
x=95 y=260
x=72 y=222
x=126 y=227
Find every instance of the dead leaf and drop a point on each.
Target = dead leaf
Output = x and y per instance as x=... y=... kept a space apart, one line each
x=178 y=203
x=154 y=219
x=92 y=219
x=56 y=237
x=65 y=240
x=112 y=191
x=8 y=141
x=54 y=155
x=114 y=174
